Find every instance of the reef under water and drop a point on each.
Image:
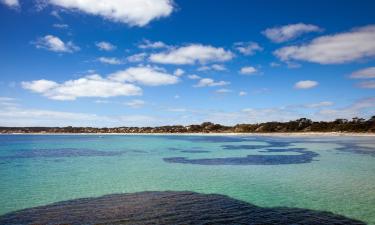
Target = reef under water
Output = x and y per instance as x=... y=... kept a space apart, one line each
x=304 y=156
x=61 y=152
x=168 y=207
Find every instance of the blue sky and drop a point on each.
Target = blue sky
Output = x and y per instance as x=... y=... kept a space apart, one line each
x=158 y=62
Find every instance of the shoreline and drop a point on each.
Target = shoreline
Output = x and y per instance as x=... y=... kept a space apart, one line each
x=276 y=134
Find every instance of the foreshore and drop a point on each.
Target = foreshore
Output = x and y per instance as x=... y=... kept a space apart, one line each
x=277 y=134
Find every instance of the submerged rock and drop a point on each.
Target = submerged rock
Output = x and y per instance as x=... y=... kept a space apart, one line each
x=168 y=208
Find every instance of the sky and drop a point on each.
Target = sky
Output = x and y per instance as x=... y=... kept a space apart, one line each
x=108 y=63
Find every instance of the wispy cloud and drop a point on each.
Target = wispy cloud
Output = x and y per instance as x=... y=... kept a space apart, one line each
x=247 y=48
x=135 y=104
x=333 y=49
x=110 y=60
x=147 y=44
x=365 y=73
x=208 y=82
x=289 y=32
x=306 y=84
x=105 y=46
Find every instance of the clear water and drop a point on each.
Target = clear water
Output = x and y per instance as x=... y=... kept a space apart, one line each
x=337 y=174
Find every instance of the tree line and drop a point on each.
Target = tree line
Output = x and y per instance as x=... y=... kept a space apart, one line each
x=356 y=124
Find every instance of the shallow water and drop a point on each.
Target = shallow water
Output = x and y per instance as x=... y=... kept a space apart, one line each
x=335 y=174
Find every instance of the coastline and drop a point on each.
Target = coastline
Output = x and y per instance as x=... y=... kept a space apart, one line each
x=276 y=134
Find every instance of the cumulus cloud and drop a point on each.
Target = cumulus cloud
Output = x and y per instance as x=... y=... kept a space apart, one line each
x=135 y=104
x=289 y=32
x=367 y=84
x=89 y=86
x=144 y=75
x=147 y=44
x=137 y=57
x=132 y=12
x=248 y=70
x=208 y=82
x=110 y=60
x=55 y=44
x=306 y=84
x=191 y=54
x=10 y=3
x=40 y=86
x=366 y=73
x=105 y=46
x=333 y=49
x=247 y=48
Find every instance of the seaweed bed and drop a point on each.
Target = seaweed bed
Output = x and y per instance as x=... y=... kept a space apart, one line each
x=168 y=208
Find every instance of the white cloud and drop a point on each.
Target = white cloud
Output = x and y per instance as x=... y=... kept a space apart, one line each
x=217 y=67
x=89 y=86
x=146 y=44
x=194 y=77
x=55 y=44
x=289 y=32
x=248 y=70
x=247 y=48
x=176 y=97
x=176 y=110
x=144 y=75
x=364 y=107
x=208 y=82
x=135 y=103
x=105 y=46
x=242 y=93
x=40 y=86
x=11 y=3
x=333 y=49
x=132 y=12
x=110 y=60
x=306 y=84
x=60 y=25
x=319 y=104
x=223 y=91
x=137 y=57
x=178 y=72
x=367 y=84
x=191 y=54
x=366 y=73
x=274 y=64
x=8 y=102
x=18 y=116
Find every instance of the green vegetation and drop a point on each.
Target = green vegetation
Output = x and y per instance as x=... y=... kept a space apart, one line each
x=301 y=125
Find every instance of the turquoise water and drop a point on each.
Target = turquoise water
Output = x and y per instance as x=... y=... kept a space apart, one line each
x=335 y=174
